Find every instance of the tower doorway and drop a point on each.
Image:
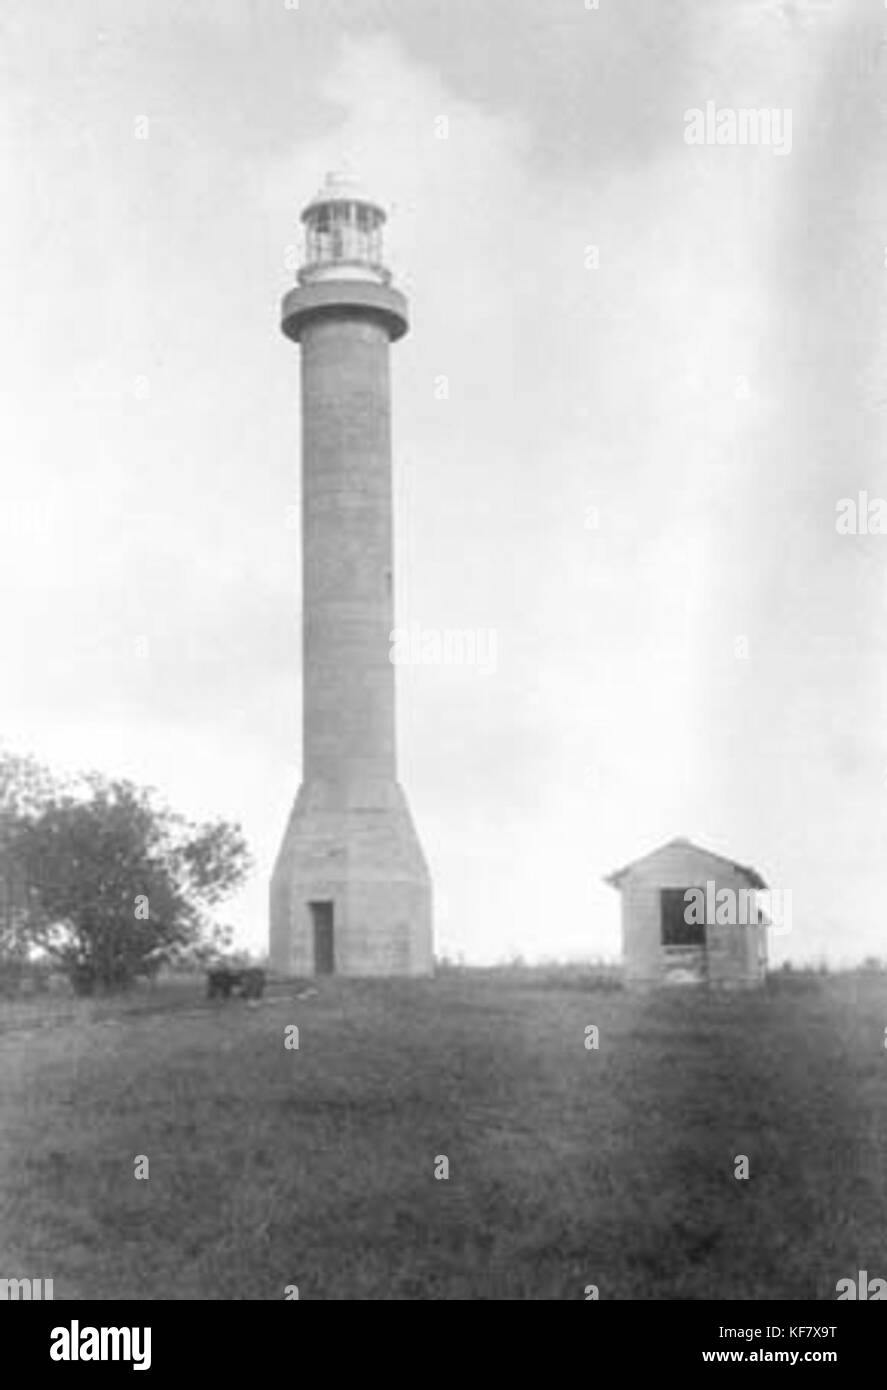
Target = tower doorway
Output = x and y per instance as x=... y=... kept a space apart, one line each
x=324 y=943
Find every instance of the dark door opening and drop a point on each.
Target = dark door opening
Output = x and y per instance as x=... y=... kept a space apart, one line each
x=324 y=945
x=676 y=930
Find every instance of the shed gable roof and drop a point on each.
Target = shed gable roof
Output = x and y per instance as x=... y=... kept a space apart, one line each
x=753 y=877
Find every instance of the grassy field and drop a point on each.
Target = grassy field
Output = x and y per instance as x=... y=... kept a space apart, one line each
x=271 y=1167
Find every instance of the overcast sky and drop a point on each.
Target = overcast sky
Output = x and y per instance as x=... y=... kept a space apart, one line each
x=633 y=480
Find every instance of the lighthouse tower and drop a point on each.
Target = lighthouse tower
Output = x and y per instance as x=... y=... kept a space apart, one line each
x=350 y=892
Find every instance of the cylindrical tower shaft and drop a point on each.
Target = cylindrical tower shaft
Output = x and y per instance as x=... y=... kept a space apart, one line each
x=348 y=710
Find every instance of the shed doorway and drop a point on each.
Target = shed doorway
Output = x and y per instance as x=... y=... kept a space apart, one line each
x=684 y=958
x=676 y=930
x=324 y=941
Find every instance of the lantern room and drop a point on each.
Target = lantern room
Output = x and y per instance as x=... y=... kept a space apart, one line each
x=343 y=234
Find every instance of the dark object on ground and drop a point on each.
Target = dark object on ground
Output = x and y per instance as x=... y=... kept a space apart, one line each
x=222 y=982
x=83 y=978
x=252 y=983
x=218 y=983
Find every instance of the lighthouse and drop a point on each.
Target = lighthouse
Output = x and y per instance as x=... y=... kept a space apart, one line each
x=350 y=891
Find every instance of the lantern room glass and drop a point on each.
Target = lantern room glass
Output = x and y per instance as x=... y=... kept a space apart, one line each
x=343 y=232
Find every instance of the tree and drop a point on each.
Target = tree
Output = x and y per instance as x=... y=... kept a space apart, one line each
x=116 y=881
x=22 y=785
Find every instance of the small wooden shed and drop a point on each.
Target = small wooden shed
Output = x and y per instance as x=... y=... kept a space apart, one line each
x=691 y=916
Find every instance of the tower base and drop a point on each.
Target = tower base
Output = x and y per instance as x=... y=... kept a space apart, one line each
x=351 y=892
